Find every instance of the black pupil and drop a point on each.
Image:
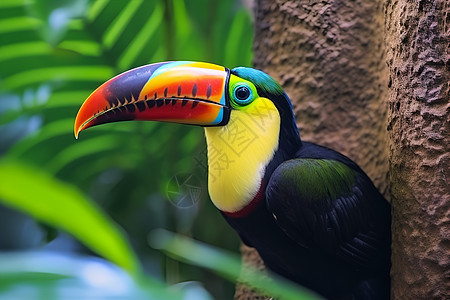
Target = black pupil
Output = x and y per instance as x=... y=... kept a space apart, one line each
x=242 y=93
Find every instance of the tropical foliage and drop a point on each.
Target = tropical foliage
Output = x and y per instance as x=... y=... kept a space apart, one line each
x=53 y=54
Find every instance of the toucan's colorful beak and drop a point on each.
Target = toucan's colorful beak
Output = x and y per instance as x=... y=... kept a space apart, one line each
x=179 y=92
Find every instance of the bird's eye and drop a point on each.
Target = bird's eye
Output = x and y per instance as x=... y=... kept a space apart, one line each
x=242 y=94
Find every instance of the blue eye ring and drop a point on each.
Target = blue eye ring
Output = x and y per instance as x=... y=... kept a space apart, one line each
x=242 y=94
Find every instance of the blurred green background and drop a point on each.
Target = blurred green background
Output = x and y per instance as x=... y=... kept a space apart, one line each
x=53 y=54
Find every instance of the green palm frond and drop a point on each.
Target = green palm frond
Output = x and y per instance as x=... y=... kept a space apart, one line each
x=48 y=70
x=54 y=53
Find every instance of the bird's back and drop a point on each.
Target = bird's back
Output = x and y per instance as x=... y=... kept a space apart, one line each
x=278 y=231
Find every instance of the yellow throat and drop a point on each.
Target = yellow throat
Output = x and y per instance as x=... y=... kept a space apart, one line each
x=239 y=152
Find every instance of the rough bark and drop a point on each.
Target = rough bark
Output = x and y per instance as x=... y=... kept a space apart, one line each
x=329 y=57
x=417 y=37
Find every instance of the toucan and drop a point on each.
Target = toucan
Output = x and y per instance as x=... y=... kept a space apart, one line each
x=311 y=213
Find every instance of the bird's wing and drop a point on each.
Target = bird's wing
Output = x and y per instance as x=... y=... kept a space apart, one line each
x=327 y=206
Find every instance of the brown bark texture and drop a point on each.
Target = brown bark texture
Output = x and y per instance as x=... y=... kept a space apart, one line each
x=329 y=58
x=417 y=41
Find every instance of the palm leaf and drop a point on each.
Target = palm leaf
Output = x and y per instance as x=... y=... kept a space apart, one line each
x=45 y=75
x=63 y=206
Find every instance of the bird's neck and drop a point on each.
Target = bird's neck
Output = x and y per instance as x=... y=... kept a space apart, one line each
x=239 y=153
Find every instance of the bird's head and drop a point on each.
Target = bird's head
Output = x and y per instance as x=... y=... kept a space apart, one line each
x=248 y=119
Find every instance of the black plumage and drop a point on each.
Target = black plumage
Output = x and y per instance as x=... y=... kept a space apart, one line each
x=321 y=222
x=338 y=247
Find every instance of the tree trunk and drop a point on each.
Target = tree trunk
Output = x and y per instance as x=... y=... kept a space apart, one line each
x=418 y=55
x=329 y=58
